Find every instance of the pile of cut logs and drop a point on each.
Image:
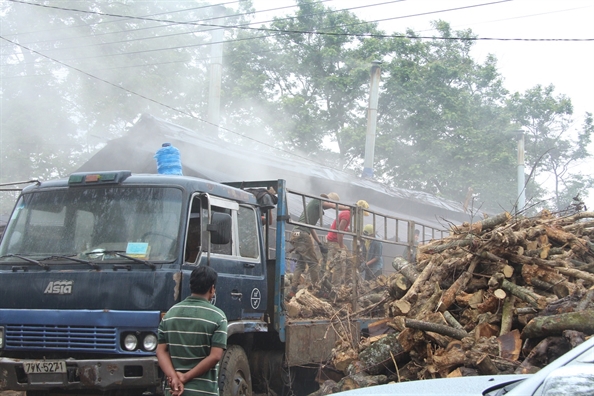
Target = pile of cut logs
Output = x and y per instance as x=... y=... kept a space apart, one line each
x=501 y=296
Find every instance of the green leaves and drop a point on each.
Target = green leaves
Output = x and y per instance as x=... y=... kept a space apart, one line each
x=443 y=119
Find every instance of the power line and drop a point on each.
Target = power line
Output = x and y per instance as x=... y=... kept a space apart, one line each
x=345 y=34
x=206 y=30
x=361 y=35
x=165 y=105
x=114 y=21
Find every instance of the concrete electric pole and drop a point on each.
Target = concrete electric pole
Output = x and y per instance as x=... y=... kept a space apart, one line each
x=371 y=120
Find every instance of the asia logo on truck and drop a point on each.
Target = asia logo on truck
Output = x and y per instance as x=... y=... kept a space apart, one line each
x=59 y=287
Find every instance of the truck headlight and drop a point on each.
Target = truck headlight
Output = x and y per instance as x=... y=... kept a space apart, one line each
x=1 y=337
x=130 y=342
x=150 y=342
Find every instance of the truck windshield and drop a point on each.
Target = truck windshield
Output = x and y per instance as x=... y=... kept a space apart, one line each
x=96 y=223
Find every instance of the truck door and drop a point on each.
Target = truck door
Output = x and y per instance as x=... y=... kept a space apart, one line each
x=241 y=287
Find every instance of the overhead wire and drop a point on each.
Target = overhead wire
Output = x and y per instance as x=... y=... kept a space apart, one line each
x=321 y=32
x=331 y=10
x=168 y=106
x=227 y=41
x=120 y=18
x=268 y=30
x=265 y=36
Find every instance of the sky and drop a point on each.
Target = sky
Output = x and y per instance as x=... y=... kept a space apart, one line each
x=568 y=65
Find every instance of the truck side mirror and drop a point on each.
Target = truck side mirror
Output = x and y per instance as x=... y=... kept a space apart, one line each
x=220 y=228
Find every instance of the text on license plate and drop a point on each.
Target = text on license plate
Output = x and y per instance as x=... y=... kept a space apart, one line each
x=44 y=366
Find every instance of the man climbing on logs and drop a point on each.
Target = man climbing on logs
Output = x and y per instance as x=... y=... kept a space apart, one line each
x=303 y=238
x=337 y=252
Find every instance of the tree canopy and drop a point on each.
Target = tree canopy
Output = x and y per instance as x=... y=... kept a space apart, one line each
x=84 y=71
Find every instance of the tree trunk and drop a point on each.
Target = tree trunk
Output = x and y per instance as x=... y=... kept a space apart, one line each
x=544 y=326
x=436 y=328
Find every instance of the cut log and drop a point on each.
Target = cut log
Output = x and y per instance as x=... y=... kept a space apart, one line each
x=545 y=326
x=491 y=304
x=452 y=321
x=486 y=330
x=535 y=300
x=485 y=366
x=508 y=271
x=546 y=351
x=410 y=272
x=439 y=339
x=379 y=327
x=449 y=358
x=325 y=389
x=342 y=359
x=510 y=345
x=476 y=299
x=293 y=308
x=378 y=355
x=412 y=292
x=485 y=224
x=399 y=307
x=436 y=328
x=398 y=286
x=507 y=315
x=575 y=338
x=500 y=294
x=427 y=304
x=587 y=302
x=577 y=274
x=318 y=306
x=449 y=295
x=359 y=380
x=546 y=274
x=467 y=241
x=410 y=338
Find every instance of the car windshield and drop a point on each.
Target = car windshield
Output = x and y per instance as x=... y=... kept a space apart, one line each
x=95 y=223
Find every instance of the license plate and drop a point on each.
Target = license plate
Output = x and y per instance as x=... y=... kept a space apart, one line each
x=44 y=366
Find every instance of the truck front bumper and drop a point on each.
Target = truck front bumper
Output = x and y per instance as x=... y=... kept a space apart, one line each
x=107 y=374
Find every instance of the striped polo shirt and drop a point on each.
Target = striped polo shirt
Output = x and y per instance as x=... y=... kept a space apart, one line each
x=190 y=328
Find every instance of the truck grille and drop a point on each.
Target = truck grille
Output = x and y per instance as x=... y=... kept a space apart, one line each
x=51 y=337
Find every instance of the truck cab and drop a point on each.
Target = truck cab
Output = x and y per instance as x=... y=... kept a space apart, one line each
x=89 y=264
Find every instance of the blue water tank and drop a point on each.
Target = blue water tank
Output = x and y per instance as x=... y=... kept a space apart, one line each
x=168 y=160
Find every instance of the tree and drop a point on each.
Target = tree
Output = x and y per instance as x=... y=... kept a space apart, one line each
x=442 y=126
x=87 y=70
x=553 y=148
x=311 y=78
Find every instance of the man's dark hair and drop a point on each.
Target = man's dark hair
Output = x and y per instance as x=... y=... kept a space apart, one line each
x=202 y=279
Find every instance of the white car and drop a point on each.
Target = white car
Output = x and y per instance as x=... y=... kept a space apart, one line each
x=571 y=374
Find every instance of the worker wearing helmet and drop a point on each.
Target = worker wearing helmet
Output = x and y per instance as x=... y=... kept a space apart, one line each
x=337 y=263
x=372 y=254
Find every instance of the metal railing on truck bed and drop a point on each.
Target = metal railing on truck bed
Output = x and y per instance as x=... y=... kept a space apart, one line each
x=308 y=341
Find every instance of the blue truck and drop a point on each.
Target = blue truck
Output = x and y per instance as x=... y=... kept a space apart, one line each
x=90 y=264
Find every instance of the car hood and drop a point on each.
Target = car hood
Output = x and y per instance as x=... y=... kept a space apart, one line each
x=460 y=386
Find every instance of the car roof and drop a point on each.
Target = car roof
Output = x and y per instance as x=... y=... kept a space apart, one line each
x=458 y=386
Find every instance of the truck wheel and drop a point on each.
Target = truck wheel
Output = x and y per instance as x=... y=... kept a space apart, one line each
x=234 y=376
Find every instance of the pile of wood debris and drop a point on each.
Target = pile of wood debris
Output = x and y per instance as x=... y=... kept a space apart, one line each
x=502 y=296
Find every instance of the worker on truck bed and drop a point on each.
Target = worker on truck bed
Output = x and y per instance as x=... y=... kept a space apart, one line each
x=303 y=239
x=192 y=338
x=373 y=262
x=337 y=251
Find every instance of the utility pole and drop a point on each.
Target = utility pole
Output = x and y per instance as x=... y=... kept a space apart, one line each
x=521 y=174
x=371 y=120
x=216 y=71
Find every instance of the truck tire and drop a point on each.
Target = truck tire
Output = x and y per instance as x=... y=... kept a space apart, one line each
x=234 y=373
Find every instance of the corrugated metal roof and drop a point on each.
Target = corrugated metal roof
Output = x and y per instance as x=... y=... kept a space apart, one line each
x=211 y=158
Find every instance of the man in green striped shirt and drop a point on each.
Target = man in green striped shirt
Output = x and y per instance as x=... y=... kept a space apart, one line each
x=192 y=339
